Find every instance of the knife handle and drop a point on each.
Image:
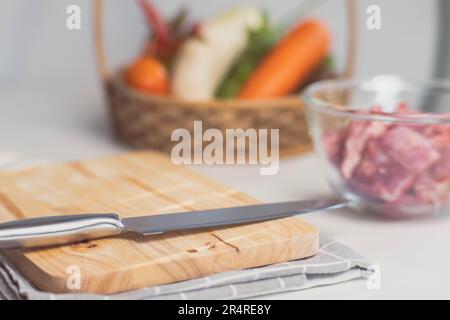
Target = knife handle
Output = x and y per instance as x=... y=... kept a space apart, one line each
x=58 y=230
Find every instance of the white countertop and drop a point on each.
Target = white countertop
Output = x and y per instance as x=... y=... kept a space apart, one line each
x=413 y=255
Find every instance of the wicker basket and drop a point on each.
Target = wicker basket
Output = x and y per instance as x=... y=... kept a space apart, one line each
x=147 y=121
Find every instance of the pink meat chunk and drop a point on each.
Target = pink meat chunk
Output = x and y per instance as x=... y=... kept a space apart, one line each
x=429 y=191
x=404 y=108
x=406 y=167
x=374 y=160
x=441 y=170
x=380 y=176
x=411 y=149
x=359 y=133
x=333 y=142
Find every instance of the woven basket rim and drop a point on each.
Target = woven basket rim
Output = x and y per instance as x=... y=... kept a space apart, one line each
x=293 y=101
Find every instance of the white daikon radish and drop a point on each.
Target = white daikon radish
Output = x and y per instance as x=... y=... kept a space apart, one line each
x=204 y=60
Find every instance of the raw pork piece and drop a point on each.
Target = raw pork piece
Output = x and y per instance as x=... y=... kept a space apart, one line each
x=333 y=142
x=380 y=176
x=359 y=133
x=404 y=108
x=427 y=190
x=403 y=167
x=441 y=170
x=373 y=162
x=411 y=149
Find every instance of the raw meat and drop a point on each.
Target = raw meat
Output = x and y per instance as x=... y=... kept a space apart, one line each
x=333 y=142
x=395 y=164
x=441 y=170
x=410 y=149
x=359 y=133
x=384 y=178
x=429 y=191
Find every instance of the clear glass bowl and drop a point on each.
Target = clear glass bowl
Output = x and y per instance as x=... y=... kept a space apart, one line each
x=384 y=143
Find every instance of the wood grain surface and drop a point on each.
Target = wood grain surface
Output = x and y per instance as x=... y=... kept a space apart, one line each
x=138 y=184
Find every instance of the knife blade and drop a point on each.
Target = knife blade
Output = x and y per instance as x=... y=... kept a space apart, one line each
x=58 y=230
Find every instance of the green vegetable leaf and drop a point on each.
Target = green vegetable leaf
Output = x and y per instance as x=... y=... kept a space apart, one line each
x=260 y=42
x=329 y=63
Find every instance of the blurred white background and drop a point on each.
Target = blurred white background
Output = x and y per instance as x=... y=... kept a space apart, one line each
x=37 y=47
x=50 y=92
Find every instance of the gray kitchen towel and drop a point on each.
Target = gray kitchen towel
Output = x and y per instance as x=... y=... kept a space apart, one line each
x=334 y=263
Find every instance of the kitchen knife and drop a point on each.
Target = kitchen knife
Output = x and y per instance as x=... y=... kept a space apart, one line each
x=58 y=230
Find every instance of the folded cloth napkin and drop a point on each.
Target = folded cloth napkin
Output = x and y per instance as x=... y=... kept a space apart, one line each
x=333 y=264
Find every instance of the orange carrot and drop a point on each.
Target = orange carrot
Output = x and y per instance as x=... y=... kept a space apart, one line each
x=290 y=62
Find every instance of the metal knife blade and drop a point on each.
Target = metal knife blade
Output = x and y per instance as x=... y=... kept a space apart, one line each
x=50 y=231
x=226 y=216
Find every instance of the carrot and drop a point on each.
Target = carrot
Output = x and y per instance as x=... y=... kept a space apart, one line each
x=289 y=64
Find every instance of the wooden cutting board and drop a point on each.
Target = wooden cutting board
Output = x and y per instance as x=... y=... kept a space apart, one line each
x=132 y=185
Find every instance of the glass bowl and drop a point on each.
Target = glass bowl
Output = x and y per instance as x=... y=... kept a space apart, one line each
x=384 y=143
